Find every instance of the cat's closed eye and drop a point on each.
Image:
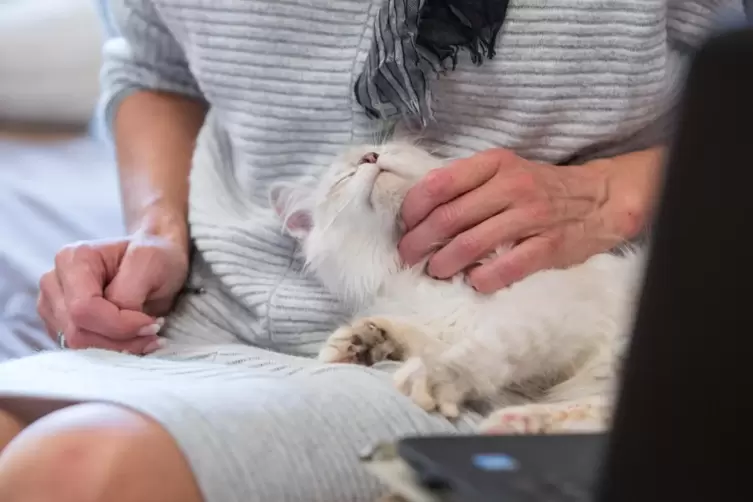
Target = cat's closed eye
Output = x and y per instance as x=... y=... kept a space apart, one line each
x=341 y=179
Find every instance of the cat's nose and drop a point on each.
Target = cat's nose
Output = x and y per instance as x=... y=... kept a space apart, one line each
x=369 y=158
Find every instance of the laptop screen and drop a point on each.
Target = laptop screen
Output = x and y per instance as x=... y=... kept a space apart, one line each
x=687 y=381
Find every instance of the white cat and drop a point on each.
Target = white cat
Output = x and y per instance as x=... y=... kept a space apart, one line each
x=554 y=338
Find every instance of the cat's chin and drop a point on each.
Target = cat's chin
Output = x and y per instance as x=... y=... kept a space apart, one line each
x=388 y=192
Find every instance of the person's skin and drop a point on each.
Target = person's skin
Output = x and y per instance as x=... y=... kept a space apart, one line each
x=552 y=216
x=94 y=453
x=10 y=426
x=111 y=294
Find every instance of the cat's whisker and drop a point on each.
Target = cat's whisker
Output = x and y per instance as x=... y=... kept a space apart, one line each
x=340 y=211
x=379 y=138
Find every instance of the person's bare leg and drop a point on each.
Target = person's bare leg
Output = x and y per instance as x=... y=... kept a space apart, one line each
x=10 y=426
x=95 y=453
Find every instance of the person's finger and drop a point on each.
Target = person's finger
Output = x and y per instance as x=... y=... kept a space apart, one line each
x=48 y=319
x=479 y=242
x=52 y=306
x=48 y=290
x=452 y=218
x=82 y=339
x=99 y=315
x=446 y=183
x=138 y=277
x=532 y=255
x=82 y=274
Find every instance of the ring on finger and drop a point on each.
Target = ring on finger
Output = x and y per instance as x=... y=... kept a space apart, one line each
x=61 y=340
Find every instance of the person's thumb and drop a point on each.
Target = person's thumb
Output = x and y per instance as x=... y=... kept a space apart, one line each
x=139 y=275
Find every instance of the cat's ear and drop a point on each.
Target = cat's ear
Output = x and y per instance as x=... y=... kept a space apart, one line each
x=290 y=204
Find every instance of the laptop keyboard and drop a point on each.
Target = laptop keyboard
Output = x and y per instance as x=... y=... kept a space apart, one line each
x=507 y=468
x=547 y=489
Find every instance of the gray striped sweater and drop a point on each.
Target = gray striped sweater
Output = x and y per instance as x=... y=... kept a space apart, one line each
x=572 y=79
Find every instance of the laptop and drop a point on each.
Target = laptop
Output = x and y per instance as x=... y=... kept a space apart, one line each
x=685 y=405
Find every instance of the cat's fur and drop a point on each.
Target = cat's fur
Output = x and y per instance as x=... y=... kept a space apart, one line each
x=553 y=338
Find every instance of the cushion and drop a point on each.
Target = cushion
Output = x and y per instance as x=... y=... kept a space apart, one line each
x=49 y=60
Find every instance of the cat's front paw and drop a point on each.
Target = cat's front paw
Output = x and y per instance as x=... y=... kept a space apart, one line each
x=433 y=386
x=545 y=419
x=366 y=342
x=517 y=420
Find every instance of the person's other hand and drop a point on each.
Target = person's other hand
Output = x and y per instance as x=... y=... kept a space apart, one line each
x=549 y=216
x=110 y=294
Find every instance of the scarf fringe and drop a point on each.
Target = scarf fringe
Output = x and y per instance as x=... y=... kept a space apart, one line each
x=410 y=51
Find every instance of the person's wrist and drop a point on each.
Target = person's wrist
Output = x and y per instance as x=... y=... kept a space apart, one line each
x=165 y=224
x=630 y=182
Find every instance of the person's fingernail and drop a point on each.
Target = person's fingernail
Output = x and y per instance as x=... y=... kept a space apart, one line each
x=428 y=270
x=150 y=330
x=155 y=345
x=161 y=321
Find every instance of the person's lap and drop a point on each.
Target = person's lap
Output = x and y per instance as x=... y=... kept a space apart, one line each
x=252 y=425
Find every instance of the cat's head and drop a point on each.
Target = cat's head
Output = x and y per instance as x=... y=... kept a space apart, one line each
x=349 y=220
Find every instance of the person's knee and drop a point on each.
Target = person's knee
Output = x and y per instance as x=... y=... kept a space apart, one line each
x=95 y=453
x=10 y=427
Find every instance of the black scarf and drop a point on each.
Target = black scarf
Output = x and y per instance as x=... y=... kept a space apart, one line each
x=415 y=41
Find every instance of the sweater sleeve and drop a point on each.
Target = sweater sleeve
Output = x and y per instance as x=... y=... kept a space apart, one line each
x=140 y=53
x=689 y=22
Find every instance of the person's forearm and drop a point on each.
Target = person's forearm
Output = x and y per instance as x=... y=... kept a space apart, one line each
x=155 y=134
x=632 y=182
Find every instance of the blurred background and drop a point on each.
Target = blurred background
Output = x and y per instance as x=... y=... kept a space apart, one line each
x=57 y=175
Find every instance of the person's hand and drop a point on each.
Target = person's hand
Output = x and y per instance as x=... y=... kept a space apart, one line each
x=548 y=216
x=110 y=294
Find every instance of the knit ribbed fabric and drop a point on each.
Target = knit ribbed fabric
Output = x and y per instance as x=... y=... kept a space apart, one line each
x=572 y=80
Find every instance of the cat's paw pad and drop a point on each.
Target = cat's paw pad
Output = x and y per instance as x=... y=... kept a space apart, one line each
x=432 y=386
x=517 y=421
x=365 y=342
x=544 y=419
